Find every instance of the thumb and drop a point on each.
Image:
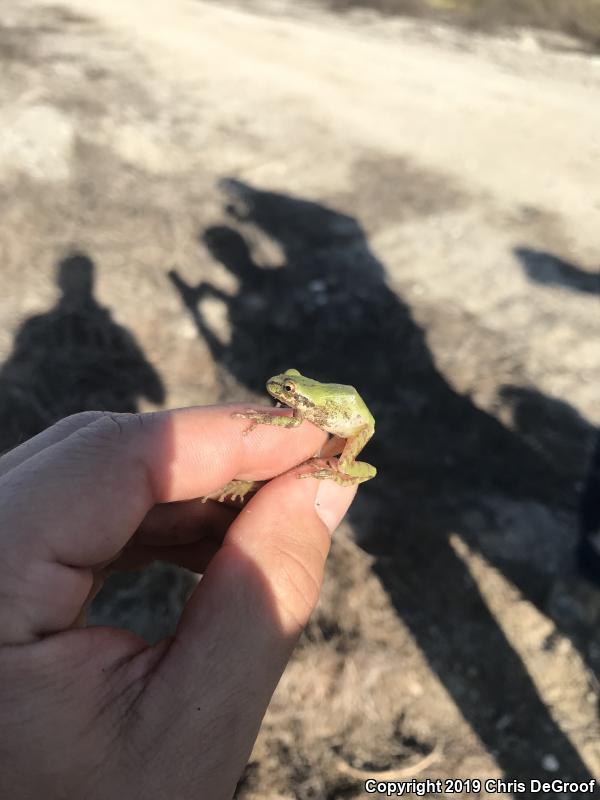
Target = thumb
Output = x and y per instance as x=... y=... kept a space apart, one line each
x=242 y=622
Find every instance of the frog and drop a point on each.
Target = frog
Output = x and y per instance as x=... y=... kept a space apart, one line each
x=333 y=407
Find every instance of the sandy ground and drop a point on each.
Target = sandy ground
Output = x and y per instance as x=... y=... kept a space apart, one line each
x=409 y=209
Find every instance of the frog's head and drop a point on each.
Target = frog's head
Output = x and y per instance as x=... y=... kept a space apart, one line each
x=284 y=387
x=293 y=389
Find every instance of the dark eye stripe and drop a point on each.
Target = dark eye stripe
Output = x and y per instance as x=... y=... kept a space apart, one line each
x=304 y=401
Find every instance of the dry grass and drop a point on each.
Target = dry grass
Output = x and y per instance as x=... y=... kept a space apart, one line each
x=580 y=18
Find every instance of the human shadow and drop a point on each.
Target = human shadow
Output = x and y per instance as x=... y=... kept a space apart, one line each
x=71 y=358
x=548 y=269
x=75 y=357
x=589 y=516
x=328 y=311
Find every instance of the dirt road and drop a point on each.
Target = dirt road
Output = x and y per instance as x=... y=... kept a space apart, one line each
x=502 y=125
x=411 y=209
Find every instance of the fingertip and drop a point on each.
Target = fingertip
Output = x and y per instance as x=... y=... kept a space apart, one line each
x=259 y=590
x=286 y=528
x=332 y=501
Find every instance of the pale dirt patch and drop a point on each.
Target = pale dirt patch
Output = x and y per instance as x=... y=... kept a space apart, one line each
x=37 y=141
x=405 y=208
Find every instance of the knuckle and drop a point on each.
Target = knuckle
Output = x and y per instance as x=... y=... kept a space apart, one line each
x=109 y=443
x=104 y=439
x=80 y=419
x=107 y=428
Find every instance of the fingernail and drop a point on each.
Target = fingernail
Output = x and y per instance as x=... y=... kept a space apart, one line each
x=332 y=501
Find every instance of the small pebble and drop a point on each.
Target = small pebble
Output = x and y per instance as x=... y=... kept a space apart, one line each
x=550 y=763
x=504 y=721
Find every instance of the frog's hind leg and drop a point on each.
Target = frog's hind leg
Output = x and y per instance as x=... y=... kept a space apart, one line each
x=346 y=471
x=328 y=473
x=347 y=463
x=324 y=460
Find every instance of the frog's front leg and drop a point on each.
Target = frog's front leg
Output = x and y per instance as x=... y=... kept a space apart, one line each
x=266 y=418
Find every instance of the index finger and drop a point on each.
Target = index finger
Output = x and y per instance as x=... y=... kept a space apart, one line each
x=76 y=503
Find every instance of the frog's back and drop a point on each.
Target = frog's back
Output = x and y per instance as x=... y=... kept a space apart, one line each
x=345 y=410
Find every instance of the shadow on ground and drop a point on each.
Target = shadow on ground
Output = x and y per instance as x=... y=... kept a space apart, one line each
x=327 y=311
x=75 y=357
x=72 y=358
x=547 y=269
x=550 y=270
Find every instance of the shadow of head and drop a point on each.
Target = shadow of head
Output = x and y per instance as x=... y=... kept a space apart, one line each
x=75 y=279
x=547 y=269
x=230 y=248
x=551 y=425
x=297 y=224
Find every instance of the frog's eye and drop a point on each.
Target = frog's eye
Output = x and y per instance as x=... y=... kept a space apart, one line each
x=288 y=387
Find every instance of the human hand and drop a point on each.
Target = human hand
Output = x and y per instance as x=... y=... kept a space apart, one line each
x=95 y=712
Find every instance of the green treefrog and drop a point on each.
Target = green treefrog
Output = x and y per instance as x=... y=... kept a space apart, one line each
x=334 y=408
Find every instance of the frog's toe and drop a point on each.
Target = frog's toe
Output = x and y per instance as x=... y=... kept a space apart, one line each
x=330 y=464
x=235 y=490
x=317 y=473
x=330 y=474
